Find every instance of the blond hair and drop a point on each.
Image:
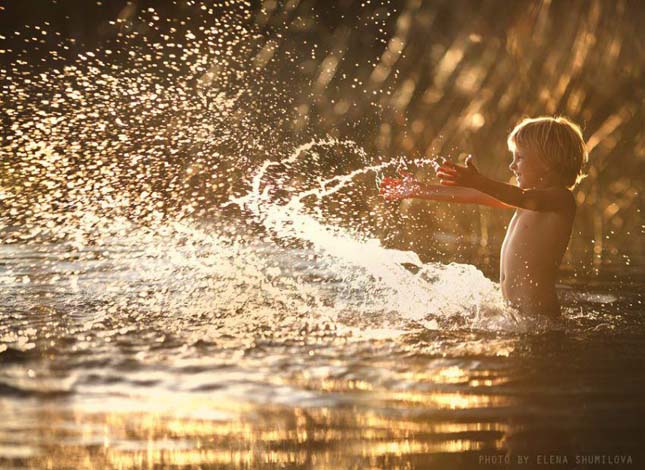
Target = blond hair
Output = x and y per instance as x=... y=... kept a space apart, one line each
x=557 y=141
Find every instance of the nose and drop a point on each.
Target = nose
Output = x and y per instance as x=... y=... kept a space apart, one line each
x=512 y=167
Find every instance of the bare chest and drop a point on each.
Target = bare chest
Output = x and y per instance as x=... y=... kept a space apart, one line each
x=534 y=241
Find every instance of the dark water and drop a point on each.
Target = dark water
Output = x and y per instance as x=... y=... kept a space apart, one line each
x=87 y=382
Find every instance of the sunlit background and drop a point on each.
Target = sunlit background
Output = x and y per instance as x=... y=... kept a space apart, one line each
x=196 y=268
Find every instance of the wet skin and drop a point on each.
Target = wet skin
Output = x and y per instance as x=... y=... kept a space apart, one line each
x=537 y=235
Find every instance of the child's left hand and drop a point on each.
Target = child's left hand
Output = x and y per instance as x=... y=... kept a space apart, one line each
x=451 y=174
x=395 y=189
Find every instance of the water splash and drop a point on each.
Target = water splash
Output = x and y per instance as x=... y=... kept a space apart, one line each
x=378 y=278
x=156 y=184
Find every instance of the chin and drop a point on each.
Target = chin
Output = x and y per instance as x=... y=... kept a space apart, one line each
x=523 y=184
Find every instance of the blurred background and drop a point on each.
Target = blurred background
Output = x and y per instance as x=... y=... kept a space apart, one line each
x=406 y=78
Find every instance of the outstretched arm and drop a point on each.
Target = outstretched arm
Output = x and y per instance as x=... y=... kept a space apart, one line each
x=394 y=189
x=544 y=200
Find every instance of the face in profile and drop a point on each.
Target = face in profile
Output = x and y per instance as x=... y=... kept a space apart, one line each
x=529 y=169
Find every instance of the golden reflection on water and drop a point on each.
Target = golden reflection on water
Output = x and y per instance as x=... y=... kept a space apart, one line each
x=451 y=401
x=259 y=436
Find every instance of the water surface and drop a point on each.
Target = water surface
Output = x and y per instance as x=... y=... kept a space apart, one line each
x=95 y=373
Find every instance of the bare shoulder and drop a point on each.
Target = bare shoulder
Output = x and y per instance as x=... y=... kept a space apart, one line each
x=556 y=199
x=566 y=199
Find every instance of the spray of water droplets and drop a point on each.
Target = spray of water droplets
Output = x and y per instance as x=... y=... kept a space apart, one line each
x=156 y=172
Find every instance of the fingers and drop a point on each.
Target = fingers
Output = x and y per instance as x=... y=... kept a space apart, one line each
x=389 y=188
x=388 y=182
x=449 y=176
x=446 y=164
x=444 y=176
x=447 y=172
x=452 y=168
x=395 y=189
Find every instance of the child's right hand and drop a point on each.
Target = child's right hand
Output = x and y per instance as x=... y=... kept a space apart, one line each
x=457 y=175
x=394 y=189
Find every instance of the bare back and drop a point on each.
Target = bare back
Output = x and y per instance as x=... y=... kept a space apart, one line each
x=530 y=256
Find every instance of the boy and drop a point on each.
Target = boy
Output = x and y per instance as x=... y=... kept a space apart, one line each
x=548 y=155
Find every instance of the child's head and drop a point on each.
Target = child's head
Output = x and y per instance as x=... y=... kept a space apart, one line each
x=557 y=142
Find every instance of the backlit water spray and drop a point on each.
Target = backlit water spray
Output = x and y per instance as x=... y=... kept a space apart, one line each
x=196 y=266
x=153 y=176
